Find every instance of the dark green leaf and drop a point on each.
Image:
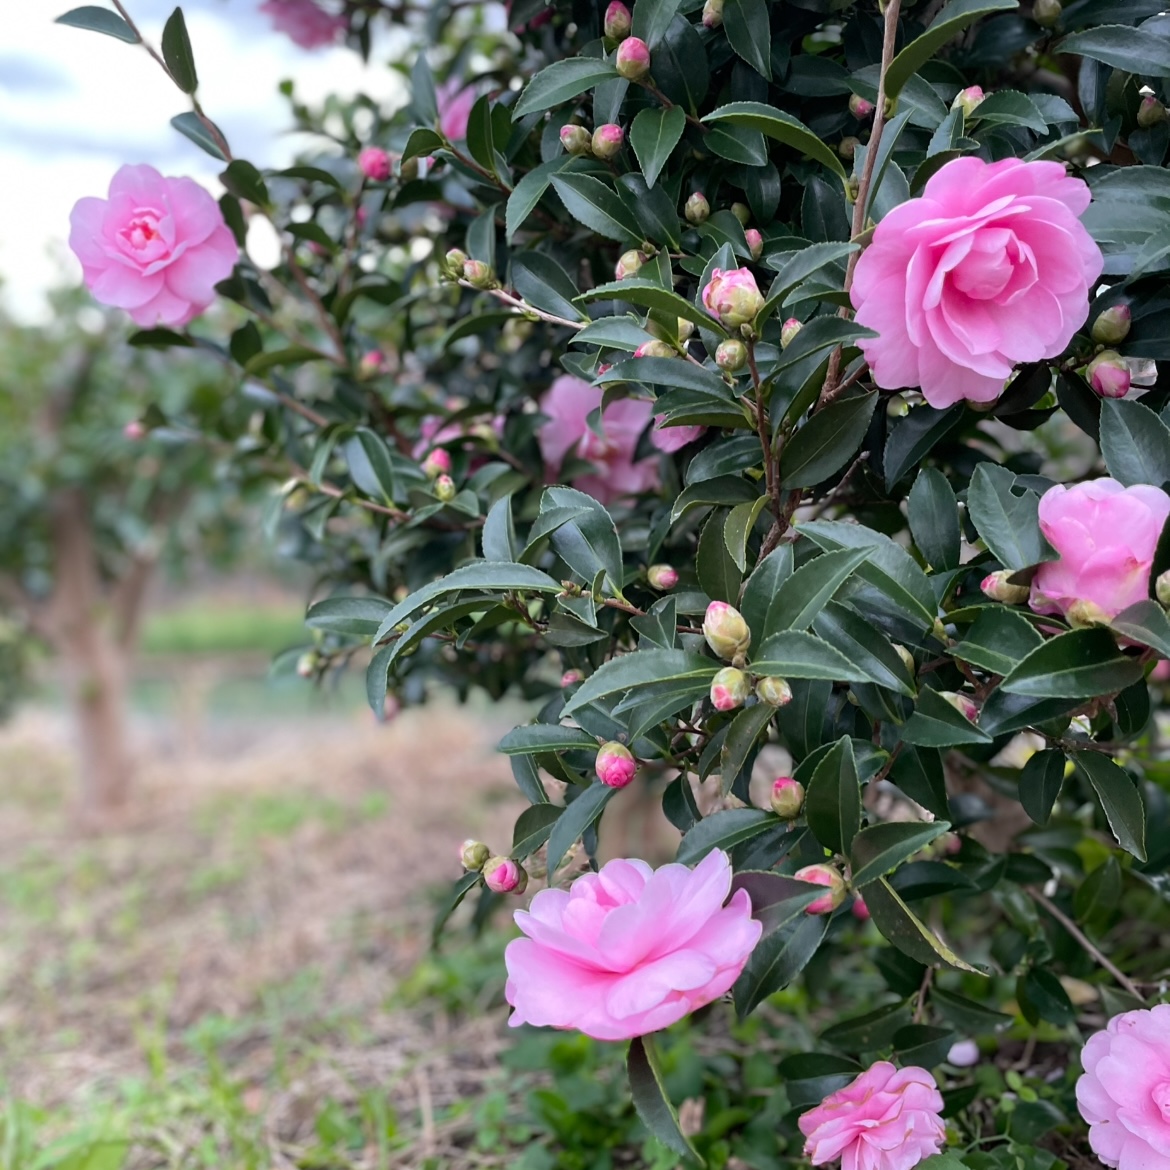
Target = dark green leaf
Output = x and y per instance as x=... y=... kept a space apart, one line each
x=796 y=654
x=542 y=282
x=800 y=598
x=934 y=519
x=779 y=125
x=459 y=891
x=652 y=18
x=1120 y=798
x=878 y=849
x=1133 y=50
x=176 y=49
x=561 y=81
x=865 y=646
x=762 y=587
x=639 y=291
x=1006 y=516
x=532 y=829
x=654 y=133
x=527 y=193
x=545 y=737
x=777 y=959
x=359 y=616
x=999 y=640
x=868 y=1032
x=1040 y=783
x=935 y=723
x=742 y=734
x=1145 y=622
x=650 y=1099
x=1135 y=443
x=641 y=669
x=499 y=532
x=749 y=33
x=158 y=339
x=916 y=435
x=826 y=442
x=719 y=576
x=1098 y=895
x=776 y=899
x=724 y=830
x=901 y=926
x=1042 y=997
x=1076 y=665
x=192 y=126
x=101 y=20
x=575 y=819
x=833 y=802
x=918 y=772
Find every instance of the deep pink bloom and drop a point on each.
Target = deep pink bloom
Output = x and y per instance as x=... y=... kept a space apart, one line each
x=733 y=296
x=886 y=1119
x=156 y=247
x=304 y=22
x=1124 y=1092
x=455 y=101
x=988 y=268
x=615 y=765
x=374 y=163
x=568 y=404
x=1106 y=535
x=629 y=950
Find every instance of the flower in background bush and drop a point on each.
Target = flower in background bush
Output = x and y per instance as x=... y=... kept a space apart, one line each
x=1106 y=535
x=304 y=22
x=1124 y=1092
x=374 y=163
x=671 y=439
x=156 y=247
x=988 y=268
x=629 y=950
x=886 y=1119
x=454 y=101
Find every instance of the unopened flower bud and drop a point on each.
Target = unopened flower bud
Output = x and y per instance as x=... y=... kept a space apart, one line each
x=967 y=99
x=730 y=688
x=725 y=630
x=755 y=242
x=371 y=363
x=572 y=677
x=134 y=430
x=478 y=273
x=848 y=145
x=607 y=140
x=615 y=765
x=474 y=854
x=1162 y=588
x=662 y=577
x=1046 y=12
x=897 y=407
x=1109 y=375
x=731 y=355
x=1112 y=326
x=437 y=462
x=656 y=348
x=504 y=875
x=445 y=488
x=742 y=212
x=823 y=875
x=860 y=108
x=307 y=664
x=686 y=329
x=1082 y=614
x=633 y=59
x=1151 y=112
x=576 y=139
x=961 y=703
x=774 y=691
x=733 y=296
x=859 y=909
x=788 y=331
x=617 y=21
x=998 y=586
x=408 y=169
x=374 y=163
x=696 y=208
x=964 y=1053
x=628 y=264
x=787 y=797
x=713 y=13
x=907 y=658
x=454 y=261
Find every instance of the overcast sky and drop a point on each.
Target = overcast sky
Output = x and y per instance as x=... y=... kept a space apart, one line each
x=75 y=105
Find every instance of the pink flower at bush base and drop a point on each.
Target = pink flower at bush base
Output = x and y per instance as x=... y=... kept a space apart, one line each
x=629 y=950
x=988 y=268
x=886 y=1119
x=156 y=247
x=304 y=22
x=1124 y=1092
x=1106 y=535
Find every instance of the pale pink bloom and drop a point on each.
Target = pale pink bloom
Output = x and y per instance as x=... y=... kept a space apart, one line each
x=455 y=101
x=568 y=404
x=629 y=950
x=1124 y=1092
x=304 y=22
x=156 y=247
x=671 y=439
x=733 y=296
x=886 y=1119
x=1106 y=535
x=988 y=268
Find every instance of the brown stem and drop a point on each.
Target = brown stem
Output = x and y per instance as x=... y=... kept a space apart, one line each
x=770 y=469
x=518 y=303
x=651 y=88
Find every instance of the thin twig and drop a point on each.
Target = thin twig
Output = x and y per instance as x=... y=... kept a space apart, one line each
x=524 y=307
x=770 y=469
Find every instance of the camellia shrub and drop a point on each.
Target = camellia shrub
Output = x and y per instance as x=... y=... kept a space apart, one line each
x=745 y=377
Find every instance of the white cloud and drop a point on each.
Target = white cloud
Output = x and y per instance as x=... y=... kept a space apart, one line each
x=76 y=105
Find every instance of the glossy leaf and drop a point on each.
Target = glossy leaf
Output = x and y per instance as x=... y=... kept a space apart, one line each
x=1135 y=443
x=724 y=830
x=1076 y=665
x=644 y=668
x=654 y=133
x=826 y=442
x=532 y=829
x=177 y=53
x=742 y=735
x=935 y=723
x=782 y=126
x=878 y=849
x=1120 y=798
x=998 y=640
x=749 y=33
x=650 y=1098
x=576 y=818
x=639 y=291
x=777 y=959
x=902 y=927
x=562 y=81
x=1006 y=516
x=597 y=206
x=102 y=20
x=832 y=804
x=796 y=654
x=933 y=512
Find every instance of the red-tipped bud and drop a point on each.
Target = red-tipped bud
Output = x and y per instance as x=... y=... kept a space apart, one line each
x=307 y=664
x=731 y=355
x=787 y=797
x=733 y=296
x=755 y=242
x=998 y=587
x=633 y=59
x=860 y=108
x=967 y=99
x=615 y=765
x=504 y=875
x=445 y=488
x=730 y=688
x=713 y=13
x=1109 y=375
x=474 y=854
x=437 y=462
x=859 y=909
x=831 y=879
x=607 y=140
x=372 y=362
x=656 y=348
x=662 y=577
x=788 y=332
x=965 y=705
x=1151 y=112
x=572 y=677
x=478 y=273
x=1112 y=326
x=375 y=164
x=696 y=208
x=134 y=431
x=725 y=630
x=773 y=691
x=1046 y=12
x=576 y=139
x=617 y=21
x=629 y=263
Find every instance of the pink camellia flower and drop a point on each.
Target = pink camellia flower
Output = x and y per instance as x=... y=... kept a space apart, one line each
x=568 y=404
x=629 y=950
x=1106 y=535
x=156 y=247
x=886 y=1119
x=454 y=101
x=671 y=439
x=988 y=268
x=134 y=430
x=733 y=296
x=1124 y=1092
x=304 y=22
x=374 y=163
